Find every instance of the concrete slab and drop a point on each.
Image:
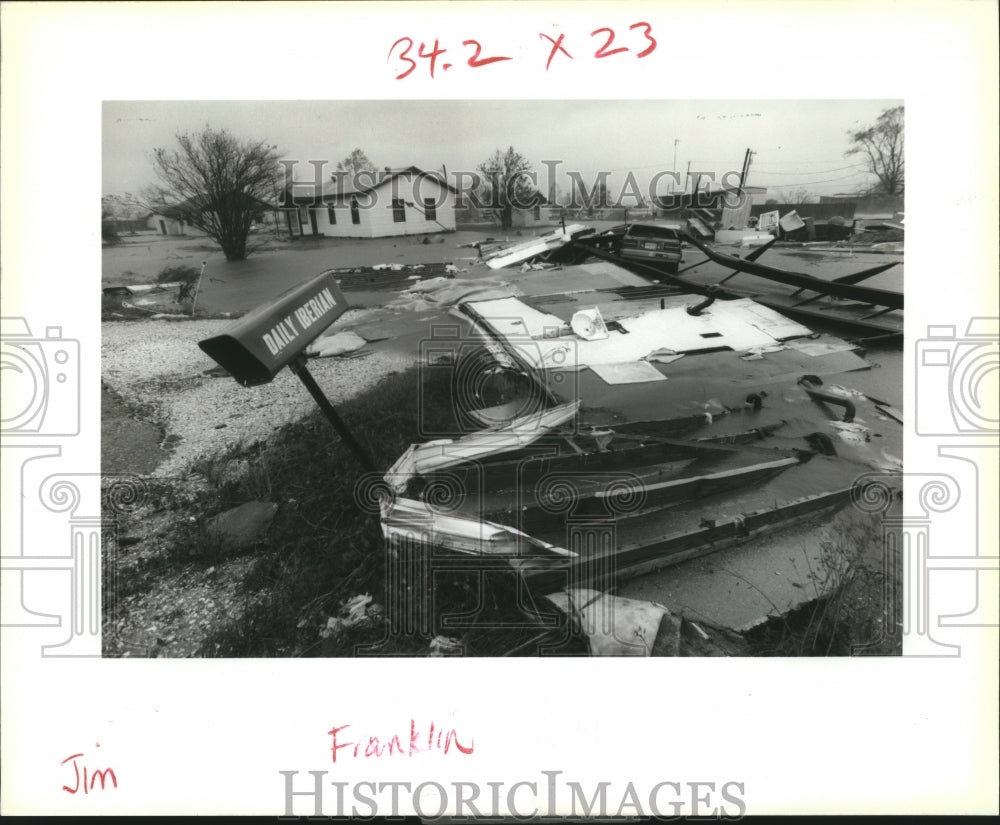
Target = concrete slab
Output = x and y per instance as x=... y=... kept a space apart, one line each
x=746 y=585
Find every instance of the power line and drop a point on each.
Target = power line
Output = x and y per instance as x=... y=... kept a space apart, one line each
x=800 y=162
x=815 y=171
x=780 y=162
x=813 y=182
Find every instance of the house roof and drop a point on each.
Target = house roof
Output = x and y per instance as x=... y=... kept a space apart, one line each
x=333 y=189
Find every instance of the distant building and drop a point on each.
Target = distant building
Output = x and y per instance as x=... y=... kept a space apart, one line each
x=175 y=220
x=168 y=224
x=868 y=206
x=405 y=201
x=535 y=212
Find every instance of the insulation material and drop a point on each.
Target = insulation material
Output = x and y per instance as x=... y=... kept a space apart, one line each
x=337 y=344
x=630 y=372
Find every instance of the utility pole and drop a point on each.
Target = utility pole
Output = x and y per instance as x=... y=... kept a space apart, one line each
x=746 y=169
x=673 y=168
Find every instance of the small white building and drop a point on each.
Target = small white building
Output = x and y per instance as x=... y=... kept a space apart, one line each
x=404 y=201
x=166 y=225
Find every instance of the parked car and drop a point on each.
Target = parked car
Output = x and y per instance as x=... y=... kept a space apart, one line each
x=653 y=244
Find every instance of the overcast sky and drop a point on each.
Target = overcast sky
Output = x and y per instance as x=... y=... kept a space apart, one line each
x=798 y=144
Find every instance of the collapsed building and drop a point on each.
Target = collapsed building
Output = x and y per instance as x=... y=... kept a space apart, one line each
x=614 y=423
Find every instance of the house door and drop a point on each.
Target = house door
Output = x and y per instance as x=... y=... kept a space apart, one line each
x=163 y=228
x=312 y=221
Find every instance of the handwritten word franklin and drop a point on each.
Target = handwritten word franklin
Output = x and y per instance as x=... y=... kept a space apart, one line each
x=434 y=739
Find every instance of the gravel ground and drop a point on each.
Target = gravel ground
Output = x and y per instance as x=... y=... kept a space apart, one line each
x=158 y=366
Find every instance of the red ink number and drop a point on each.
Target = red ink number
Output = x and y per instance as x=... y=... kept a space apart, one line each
x=603 y=51
x=652 y=40
x=431 y=55
x=475 y=61
x=410 y=60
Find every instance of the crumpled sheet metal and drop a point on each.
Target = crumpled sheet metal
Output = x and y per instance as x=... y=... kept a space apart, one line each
x=413 y=522
x=421 y=459
x=516 y=253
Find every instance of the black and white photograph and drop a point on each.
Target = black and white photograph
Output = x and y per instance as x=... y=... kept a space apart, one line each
x=602 y=378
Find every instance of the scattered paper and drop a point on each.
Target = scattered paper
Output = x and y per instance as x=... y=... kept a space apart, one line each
x=631 y=372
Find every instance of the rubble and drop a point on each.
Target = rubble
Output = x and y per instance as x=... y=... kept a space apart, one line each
x=673 y=424
x=617 y=626
x=359 y=611
x=337 y=344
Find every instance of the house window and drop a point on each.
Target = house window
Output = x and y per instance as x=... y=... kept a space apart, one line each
x=303 y=215
x=398 y=210
x=355 y=212
x=430 y=209
x=331 y=215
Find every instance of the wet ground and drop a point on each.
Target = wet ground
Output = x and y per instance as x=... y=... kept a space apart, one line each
x=128 y=443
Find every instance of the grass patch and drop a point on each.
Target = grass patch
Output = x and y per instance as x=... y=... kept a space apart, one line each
x=853 y=614
x=325 y=548
x=173 y=274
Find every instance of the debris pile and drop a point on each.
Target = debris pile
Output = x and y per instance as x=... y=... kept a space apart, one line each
x=640 y=426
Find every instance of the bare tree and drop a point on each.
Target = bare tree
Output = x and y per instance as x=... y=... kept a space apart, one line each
x=109 y=222
x=882 y=146
x=796 y=196
x=507 y=175
x=217 y=183
x=354 y=163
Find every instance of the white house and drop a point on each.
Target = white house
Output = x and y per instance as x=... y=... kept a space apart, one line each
x=404 y=201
